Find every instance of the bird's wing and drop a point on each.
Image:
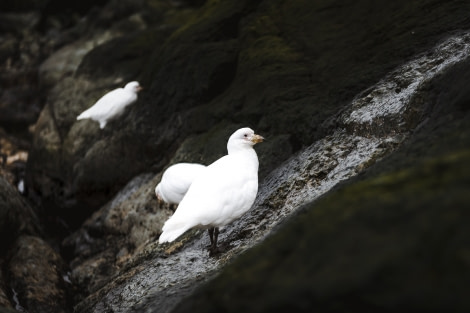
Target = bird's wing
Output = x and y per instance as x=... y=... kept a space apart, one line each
x=215 y=195
x=179 y=178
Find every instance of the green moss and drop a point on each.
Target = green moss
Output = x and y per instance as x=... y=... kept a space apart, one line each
x=389 y=242
x=269 y=52
x=215 y=20
x=208 y=11
x=392 y=239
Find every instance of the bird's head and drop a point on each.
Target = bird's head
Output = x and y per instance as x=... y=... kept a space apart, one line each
x=244 y=137
x=133 y=86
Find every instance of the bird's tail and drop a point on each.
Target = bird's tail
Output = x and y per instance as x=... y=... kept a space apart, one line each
x=171 y=231
x=83 y=115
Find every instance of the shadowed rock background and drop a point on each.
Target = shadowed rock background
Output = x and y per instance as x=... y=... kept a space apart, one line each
x=364 y=179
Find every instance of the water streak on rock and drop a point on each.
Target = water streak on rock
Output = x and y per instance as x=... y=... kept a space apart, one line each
x=392 y=95
x=353 y=147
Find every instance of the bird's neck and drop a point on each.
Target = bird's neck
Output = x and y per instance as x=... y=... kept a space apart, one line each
x=247 y=155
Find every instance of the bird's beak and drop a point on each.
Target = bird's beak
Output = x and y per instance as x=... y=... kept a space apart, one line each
x=140 y=88
x=257 y=138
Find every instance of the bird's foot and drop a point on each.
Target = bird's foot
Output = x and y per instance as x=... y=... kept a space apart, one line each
x=216 y=250
x=213 y=251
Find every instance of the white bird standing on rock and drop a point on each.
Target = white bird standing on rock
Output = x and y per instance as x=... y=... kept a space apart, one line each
x=223 y=193
x=176 y=180
x=112 y=104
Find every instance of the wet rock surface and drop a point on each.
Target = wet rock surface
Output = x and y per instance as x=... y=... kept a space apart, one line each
x=362 y=179
x=310 y=174
x=382 y=241
x=344 y=262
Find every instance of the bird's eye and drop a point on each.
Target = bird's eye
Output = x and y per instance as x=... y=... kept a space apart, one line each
x=246 y=135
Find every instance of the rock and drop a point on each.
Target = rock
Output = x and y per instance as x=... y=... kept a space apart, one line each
x=307 y=75
x=68 y=155
x=64 y=62
x=16 y=216
x=19 y=22
x=26 y=42
x=4 y=300
x=115 y=234
x=38 y=275
x=20 y=99
x=230 y=64
x=163 y=275
x=31 y=269
x=391 y=239
x=23 y=5
x=13 y=158
x=334 y=256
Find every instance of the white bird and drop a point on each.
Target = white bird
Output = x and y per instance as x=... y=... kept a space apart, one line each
x=176 y=180
x=223 y=193
x=112 y=104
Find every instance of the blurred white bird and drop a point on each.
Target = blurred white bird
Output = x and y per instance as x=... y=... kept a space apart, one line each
x=176 y=180
x=112 y=104
x=223 y=193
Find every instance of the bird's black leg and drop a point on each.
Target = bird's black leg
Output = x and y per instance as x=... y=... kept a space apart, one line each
x=216 y=236
x=213 y=249
x=211 y=235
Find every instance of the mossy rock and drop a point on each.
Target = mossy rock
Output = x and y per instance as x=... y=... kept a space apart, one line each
x=393 y=240
x=281 y=68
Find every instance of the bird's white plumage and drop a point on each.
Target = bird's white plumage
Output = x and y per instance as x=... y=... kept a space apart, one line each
x=225 y=190
x=176 y=180
x=112 y=104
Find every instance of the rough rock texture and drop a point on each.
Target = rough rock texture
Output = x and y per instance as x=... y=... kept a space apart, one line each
x=16 y=216
x=113 y=234
x=7 y=310
x=368 y=99
x=256 y=63
x=161 y=275
x=38 y=276
x=16 y=219
x=32 y=272
x=4 y=299
x=13 y=157
x=392 y=239
x=70 y=155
